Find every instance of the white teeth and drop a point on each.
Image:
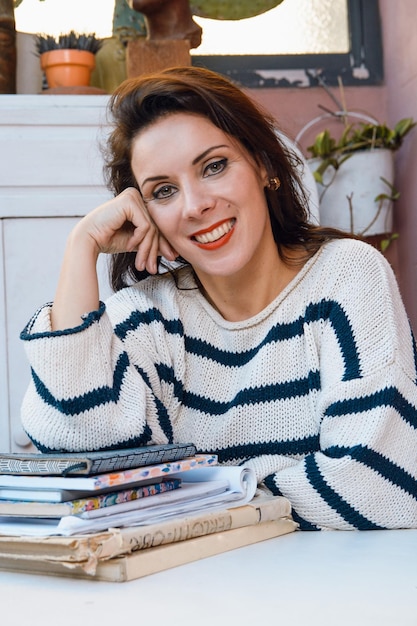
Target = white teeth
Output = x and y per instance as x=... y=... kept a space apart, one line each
x=215 y=234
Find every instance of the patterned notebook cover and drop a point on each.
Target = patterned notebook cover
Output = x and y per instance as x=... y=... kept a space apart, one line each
x=131 y=476
x=95 y=462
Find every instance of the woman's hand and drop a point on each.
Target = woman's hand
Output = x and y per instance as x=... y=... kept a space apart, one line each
x=120 y=225
x=123 y=224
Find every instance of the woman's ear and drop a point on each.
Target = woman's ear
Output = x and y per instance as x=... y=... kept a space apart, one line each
x=263 y=174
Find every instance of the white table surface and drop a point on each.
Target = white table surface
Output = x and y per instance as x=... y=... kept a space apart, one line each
x=328 y=579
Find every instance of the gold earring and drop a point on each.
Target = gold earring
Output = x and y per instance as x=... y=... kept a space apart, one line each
x=274 y=183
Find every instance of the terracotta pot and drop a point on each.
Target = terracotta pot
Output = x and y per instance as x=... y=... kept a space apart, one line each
x=68 y=67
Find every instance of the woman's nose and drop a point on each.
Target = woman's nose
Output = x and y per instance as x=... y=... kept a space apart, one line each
x=196 y=200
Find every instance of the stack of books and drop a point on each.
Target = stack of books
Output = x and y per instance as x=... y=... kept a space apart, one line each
x=123 y=514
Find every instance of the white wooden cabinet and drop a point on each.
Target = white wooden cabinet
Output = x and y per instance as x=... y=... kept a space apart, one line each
x=50 y=176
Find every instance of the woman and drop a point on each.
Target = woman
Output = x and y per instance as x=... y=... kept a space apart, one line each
x=274 y=343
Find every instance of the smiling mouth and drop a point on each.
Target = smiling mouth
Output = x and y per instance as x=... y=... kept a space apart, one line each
x=216 y=234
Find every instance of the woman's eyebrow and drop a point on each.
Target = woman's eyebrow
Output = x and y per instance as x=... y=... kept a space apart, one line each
x=201 y=156
x=153 y=179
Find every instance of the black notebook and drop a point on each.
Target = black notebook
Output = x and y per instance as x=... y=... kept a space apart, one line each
x=90 y=463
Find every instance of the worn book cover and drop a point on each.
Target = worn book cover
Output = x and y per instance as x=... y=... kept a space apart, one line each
x=141 y=563
x=87 y=551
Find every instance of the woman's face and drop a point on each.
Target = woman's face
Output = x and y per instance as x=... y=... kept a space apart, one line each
x=205 y=194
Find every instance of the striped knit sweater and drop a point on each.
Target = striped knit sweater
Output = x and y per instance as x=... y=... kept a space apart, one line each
x=317 y=393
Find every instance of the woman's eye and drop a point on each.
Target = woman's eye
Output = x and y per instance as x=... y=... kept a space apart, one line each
x=163 y=192
x=215 y=167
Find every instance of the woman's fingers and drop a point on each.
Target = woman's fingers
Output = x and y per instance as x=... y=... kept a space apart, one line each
x=166 y=250
x=151 y=263
x=123 y=224
x=145 y=239
x=145 y=242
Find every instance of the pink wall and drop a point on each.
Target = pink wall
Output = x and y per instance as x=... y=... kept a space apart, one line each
x=390 y=102
x=400 y=60
x=294 y=107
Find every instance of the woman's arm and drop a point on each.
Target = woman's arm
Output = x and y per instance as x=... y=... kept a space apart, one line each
x=80 y=369
x=120 y=225
x=362 y=470
x=89 y=387
x=364 y=475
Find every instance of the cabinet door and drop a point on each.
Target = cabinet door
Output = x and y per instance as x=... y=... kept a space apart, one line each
x=33 y=250
x=4 y=392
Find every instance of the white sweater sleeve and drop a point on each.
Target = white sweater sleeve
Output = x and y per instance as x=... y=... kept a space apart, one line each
x=85 y=393
x=364 y=474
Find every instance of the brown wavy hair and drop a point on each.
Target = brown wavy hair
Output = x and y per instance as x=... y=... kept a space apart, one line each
x=139 y=102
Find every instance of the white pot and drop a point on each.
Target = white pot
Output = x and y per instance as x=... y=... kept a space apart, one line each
x=348 y=196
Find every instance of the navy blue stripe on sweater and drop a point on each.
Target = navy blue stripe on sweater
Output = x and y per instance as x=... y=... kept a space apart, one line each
x=138 y=318
x=255 y=395
x=274 y=489
x=323 y=311
x=162 y=413
x=415 y=353
x=277 y=333
x=94 y=398
x=328 y=310
x=288 y=447
x=389 y=396
x=329 y=495
x=383 y=466
x=133 y=442
x=333 y=499
x=304 y=524
x=88 y=320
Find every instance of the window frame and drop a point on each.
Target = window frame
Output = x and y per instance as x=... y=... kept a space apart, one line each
x=361 y=65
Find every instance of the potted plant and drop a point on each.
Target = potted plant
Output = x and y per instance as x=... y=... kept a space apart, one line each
x=69 y=59
x=354 y=172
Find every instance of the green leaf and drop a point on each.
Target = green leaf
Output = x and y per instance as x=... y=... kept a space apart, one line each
x=385 y=243
x=394 y=193
x=318 y=177
x=404 y=126
x=382 y=196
